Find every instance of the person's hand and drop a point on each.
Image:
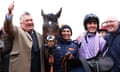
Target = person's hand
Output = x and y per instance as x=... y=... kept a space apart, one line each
x=78 y=37
x=10 y=8
x=69 y=55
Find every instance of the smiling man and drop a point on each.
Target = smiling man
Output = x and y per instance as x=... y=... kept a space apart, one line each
x=27 y=52
x=113 y=40
x=112 y=24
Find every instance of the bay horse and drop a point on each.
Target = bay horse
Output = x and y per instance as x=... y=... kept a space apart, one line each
x=50 y=33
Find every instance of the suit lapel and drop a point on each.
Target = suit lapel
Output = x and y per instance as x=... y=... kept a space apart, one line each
x=28 y=35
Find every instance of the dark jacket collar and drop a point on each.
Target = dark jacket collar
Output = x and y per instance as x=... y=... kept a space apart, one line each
x=63 y=41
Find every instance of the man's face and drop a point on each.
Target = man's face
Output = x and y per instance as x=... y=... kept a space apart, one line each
x=112 y=24
x=92 y=26
x=27 y=23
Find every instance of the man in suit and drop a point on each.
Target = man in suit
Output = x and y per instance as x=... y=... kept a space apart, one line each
x=27 y=54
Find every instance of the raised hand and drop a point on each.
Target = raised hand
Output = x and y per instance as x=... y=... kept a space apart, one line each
x=10 y=8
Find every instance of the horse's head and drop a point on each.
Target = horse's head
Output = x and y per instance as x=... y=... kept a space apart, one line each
x=50 y=28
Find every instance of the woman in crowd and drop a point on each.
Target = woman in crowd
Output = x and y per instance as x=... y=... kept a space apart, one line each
x=66 y=54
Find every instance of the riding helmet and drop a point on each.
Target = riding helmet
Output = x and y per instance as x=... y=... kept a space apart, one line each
x=90 y=17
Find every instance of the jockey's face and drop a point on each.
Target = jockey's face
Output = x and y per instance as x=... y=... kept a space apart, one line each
x=92 y=26
x=66 y=33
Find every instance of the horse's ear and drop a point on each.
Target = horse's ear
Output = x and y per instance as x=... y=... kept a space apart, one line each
x=59 y=13
x=42 y=13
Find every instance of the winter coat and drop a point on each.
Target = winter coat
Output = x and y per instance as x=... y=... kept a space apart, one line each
x=113 y=41
x=20 y=56
x=60 y=57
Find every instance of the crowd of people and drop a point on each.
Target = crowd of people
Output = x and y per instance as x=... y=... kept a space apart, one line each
x=21 y=48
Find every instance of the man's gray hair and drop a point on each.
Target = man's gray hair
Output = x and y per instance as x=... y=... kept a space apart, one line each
x=25 y=13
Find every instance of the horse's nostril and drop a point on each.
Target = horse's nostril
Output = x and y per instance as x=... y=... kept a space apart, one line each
x=50 y=37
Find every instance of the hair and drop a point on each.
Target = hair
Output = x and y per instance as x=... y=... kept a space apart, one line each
x=65 y=26
x=25 y=13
